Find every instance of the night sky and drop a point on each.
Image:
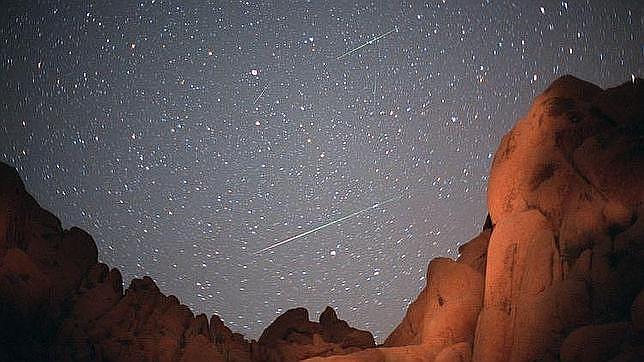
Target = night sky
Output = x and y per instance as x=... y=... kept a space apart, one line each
x=187 y=136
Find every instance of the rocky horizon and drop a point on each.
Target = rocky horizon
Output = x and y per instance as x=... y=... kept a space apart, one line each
x=555 y=274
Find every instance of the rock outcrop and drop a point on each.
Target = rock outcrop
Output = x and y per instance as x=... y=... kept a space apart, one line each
x=292 y=337
x=565 y=195
x=57 y=303
x=557 y=272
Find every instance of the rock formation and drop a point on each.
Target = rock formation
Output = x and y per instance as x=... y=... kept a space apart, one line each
x=557 y=272
x=566 y=255
x=292 y=337
x=58 y=303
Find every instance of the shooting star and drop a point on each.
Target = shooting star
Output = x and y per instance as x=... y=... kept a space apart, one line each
x=374 y=206
x=395 y=29
x=374 y=88
x=260 y=95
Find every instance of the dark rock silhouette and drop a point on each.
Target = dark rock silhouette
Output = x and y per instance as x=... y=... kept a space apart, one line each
x=292 y=337
x=58 y=303
x=556 y=274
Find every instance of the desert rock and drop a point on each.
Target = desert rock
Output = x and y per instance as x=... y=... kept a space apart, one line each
x=556 y=273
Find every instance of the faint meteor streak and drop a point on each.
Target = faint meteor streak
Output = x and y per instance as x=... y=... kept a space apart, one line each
x=260 y=95
x=368 y=43
x=374 y=206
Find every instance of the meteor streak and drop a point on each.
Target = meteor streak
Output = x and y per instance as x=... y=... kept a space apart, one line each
x=368 y=43
x=260 y=95
x=374 y=206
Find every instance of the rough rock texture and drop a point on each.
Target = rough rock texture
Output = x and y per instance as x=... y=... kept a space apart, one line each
x=58 y=303
x=558 y=271
x=565 y=195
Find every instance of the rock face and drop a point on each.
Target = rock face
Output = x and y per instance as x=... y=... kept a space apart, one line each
x=445 y=312
x=57 y=303
x=292 y=337
x=557 y=272
x=566 y=256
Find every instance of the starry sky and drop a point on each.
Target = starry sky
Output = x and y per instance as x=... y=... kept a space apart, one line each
x=187 y=136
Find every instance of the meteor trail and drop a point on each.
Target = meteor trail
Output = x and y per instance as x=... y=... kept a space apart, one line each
x=260 y=95
x=367 y=43
x=374 y=206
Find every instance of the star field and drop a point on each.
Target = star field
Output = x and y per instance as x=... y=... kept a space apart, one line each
x=186 y=136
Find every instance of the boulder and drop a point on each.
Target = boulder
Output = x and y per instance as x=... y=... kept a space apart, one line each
x=446 y=311
x=293 y=337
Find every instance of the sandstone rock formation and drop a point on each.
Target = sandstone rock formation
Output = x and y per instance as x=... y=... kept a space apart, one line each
x=58 y=303
x=557 y=272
